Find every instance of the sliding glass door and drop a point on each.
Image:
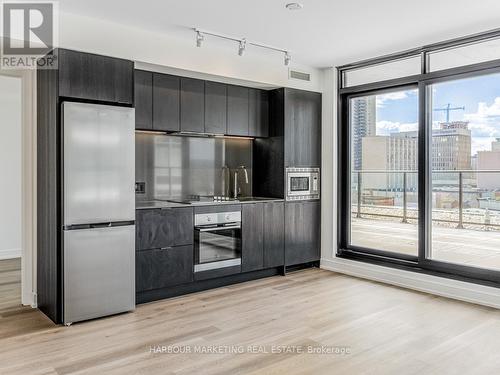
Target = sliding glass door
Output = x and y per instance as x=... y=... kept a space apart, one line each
x=464 y=159
x=383 y=172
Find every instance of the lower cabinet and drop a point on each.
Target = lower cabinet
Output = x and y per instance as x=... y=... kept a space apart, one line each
x=262 y=236
x=302 y=232
x=252 y=237
x=161 y=268
x=274 y=234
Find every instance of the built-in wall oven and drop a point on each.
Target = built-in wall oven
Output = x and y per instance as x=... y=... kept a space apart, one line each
x=302 y=183
x=217 y=240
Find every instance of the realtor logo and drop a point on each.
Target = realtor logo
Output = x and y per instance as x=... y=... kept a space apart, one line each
x=29 y=34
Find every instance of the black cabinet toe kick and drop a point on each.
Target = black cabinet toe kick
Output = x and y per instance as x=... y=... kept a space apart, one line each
x=201 y=285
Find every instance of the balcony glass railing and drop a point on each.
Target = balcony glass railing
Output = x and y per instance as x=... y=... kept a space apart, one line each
x=460 y=198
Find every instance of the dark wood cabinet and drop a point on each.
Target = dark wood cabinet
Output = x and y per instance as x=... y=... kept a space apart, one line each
x=302 y=232
x=252 y=222
x=170 y=103
x=95 y=77
x=215 y=108
x=143 y=98
x=302 y=128
x=192 y=105
x=161 y=268
x=262 y=235
x=160 y=228
x=237 y=110
x=258 y=113
x=274 y=234
x=166 y=102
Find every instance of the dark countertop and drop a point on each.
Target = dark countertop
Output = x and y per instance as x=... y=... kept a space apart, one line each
x=152 y=204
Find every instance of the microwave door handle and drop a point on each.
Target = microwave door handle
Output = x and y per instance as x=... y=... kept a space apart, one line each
x=218 y=228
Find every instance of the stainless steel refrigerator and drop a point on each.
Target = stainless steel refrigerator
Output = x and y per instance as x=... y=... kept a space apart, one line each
x=99 y=210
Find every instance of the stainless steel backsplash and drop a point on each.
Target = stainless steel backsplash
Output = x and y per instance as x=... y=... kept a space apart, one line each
x=179 y=166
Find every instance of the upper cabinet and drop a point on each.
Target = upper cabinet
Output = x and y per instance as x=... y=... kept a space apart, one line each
x=302 y=116
x=258 y=113
x=215 y=108
x=170 y=103
x=237 y=110
x=143 y=94
x=95 y=77
x=192 y=105
x=166 y=102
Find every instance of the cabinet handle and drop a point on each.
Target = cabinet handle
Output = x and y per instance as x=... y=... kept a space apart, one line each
x=166 y=248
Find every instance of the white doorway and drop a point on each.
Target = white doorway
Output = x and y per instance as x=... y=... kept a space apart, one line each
x=17 y=188
x=10 y=167
x=10 y=191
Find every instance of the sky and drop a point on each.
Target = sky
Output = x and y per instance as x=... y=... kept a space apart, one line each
x=480 y=96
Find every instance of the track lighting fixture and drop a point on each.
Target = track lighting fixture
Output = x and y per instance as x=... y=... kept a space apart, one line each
x=199 y=38
x=294 y=6
x=243 y=45
x=287 y=58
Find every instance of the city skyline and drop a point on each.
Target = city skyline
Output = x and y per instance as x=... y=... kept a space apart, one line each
x=398 y=111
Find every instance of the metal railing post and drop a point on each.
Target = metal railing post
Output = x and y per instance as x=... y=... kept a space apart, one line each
x=405 y=183
x=460 y=200
x=358 y=215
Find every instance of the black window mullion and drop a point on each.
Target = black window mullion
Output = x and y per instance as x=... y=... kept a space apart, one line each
x=343 y=173
x=424 y=191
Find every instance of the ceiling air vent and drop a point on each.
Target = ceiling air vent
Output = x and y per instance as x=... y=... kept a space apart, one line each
x=300 y=75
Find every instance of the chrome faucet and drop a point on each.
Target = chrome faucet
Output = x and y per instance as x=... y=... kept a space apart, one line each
x=243 y=168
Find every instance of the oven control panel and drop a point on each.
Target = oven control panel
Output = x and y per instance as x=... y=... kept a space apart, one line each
x=217 y=218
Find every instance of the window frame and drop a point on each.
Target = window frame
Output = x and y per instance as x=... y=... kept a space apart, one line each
x=346 y=143
x=423 y=82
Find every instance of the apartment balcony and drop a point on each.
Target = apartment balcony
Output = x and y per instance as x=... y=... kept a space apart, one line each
x=465 y=215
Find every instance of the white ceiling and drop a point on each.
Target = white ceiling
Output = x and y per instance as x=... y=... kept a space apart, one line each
x=324 y=33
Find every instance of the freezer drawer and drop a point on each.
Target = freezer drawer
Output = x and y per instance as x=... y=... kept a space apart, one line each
x=99 y=272
x=99 y=163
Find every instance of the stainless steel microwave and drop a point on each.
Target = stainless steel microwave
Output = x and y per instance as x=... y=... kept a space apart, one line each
x=302 y=183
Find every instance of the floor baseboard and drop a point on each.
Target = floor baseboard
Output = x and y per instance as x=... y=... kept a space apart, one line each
x=459 y=290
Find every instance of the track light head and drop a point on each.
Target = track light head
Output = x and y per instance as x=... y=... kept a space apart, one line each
x=199 y=38
x=243 y=45
x=294 y=6
x=287 y=58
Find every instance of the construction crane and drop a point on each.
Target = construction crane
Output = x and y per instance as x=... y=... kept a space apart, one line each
x=448 y=109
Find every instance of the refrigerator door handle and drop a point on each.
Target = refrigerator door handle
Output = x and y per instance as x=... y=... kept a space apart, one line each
x=101 y=225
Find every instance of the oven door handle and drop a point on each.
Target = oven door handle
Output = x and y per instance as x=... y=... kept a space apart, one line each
x=214 y=229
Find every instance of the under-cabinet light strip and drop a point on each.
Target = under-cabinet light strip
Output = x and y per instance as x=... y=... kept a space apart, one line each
x=187 y=134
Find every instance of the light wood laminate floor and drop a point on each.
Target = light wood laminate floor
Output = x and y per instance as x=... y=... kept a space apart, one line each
x=387 y=330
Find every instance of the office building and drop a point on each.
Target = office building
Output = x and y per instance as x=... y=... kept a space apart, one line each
x=363 y=120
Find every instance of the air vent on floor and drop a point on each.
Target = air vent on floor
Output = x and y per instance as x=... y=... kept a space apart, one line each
x=300 y=75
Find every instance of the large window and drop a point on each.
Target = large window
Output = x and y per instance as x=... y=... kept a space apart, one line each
x=419 y=161
x=465 y=165
x=384 y=175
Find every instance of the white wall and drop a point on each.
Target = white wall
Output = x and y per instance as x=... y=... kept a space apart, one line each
x=10 y=167
x=177 y=50
x=328 y=165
